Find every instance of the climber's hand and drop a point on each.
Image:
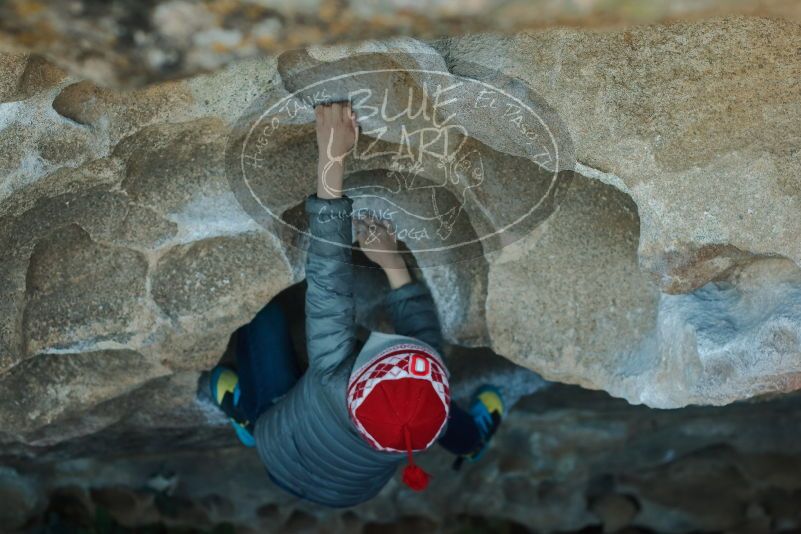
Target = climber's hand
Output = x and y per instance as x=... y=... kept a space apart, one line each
x=336 y=135
x=378 y=242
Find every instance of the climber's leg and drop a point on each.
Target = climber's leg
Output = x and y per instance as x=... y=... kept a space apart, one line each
x=462 y=435
x=265 y=359
x=469 y=433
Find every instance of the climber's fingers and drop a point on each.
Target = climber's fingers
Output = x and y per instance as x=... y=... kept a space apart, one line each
x=379 y=228
x=332 y=113
x=368 y=220
x=361 y=231
x=380 y=224
x=387 y=224
x=360 y=224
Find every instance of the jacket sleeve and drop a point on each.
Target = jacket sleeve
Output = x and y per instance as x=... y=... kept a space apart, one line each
x=330 y=324
x=414 y=314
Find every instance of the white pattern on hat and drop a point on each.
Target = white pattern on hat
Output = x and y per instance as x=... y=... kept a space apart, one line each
x=394 y=364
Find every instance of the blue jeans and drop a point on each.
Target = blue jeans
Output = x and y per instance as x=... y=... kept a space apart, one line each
x=268 y=368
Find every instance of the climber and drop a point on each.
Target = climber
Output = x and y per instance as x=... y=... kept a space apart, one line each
x=335 y=434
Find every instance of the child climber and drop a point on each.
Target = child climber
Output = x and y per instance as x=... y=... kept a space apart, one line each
x=336 y=434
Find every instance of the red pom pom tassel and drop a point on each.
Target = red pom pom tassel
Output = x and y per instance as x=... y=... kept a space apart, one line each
x=415 y=478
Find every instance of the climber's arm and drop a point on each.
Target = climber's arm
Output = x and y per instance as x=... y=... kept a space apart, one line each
x=330 y=327
x=410 y=304
x=414 y=314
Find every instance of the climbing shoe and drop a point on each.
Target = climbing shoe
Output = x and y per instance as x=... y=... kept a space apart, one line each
x=488 y=410
x=224 y=384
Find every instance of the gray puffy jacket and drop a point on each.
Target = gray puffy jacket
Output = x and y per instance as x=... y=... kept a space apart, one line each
x=307 y=440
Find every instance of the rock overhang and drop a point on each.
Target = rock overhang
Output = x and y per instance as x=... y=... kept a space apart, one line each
x=657 y=276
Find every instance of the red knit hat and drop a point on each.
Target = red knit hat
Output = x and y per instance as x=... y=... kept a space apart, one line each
x=399 y=402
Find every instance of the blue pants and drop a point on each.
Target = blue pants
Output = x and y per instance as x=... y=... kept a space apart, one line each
x=268 y=368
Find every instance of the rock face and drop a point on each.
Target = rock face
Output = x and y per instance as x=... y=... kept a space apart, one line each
x=658 y=259
x=713 y=183
x=654 y=273
x=675 y=119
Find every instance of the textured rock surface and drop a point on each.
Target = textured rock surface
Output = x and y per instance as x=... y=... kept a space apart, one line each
x=127 y=42
x=697 y=123
x=646 y=275
x=711 y=167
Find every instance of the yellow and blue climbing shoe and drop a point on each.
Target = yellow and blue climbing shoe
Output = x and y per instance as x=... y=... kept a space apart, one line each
x=225 y=391
x=488 y=410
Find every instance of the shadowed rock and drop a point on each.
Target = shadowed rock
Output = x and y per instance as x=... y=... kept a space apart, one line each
x=49 y=387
